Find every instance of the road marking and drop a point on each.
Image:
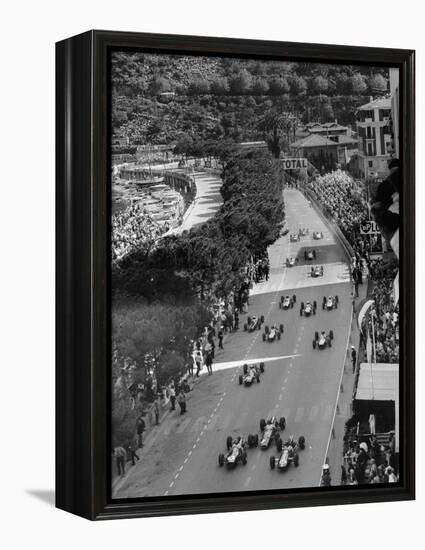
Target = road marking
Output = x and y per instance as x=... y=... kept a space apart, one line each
x=194 y=446
x=185 y=460
x=247 y=482
x=190 y=452
x=172 y=483
x=166 y=493
x=176 y=476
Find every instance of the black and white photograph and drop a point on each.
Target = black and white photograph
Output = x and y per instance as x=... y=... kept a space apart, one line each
x=254 y=259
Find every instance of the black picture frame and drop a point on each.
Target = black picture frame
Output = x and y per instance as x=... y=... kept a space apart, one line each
x=82 y=306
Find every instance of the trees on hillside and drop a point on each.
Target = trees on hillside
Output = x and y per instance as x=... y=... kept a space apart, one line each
x=377 y=84
x=276 y=124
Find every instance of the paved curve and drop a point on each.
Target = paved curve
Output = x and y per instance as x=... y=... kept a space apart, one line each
x=299 y=383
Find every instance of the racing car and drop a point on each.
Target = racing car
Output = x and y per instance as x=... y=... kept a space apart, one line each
x=294 y=237
x=316 y=271
x=323 y=340
x=273 y=333
x=270 y=430
x=288 y=453
x=303 y=232
x=290 y=262
x=251 y=373
x=253 y=323
x=287 y=302
x=236 y=450
x=309 y=254
x=317 y=235
x=331 y=302
x=308 y=308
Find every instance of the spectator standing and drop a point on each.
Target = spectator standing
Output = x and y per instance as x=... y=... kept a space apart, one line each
x=156 y=410
x=236 y=318
x=140 y=428
x=220 y=339
x=198 y=362
x=121 y=456
x=209 y=362
x=353 y=357
x=131 y=449
x=181 y=399
x=172 y=392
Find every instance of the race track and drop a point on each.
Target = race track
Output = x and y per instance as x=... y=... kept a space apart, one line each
x=180 y=456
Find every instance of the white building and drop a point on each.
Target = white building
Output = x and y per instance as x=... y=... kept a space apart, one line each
x=374 y=137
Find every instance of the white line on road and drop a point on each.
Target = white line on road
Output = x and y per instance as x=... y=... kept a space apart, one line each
x=172 y=483
x=166 y=493
x=176 y=476
x=247 y=482
x=181 y=468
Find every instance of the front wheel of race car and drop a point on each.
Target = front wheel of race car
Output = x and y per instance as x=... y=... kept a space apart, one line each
x=240 y=379
x=281 y=328
x=229 y=442
x=282 y=423
x=221 y=459
x=261 y=367
x=267 y=330
x=301 y=442
x=249 y=321
x=316 y=335
x=250 y=440
x=296 y=460
x=262 y=425
x=314 y=344
x=331 y=334
x=272 y=462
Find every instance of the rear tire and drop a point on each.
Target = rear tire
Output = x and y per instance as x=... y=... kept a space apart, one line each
x=281 y=328
x=301 y=442
x=249 y=441
x=262 y=425
x=240 y=379
x=249 y=320
x=229 y=442
x=267 y=330
x=296 y=460
x=221 y=460
x=261 y=367
x=331 y=334
x=302 y=305
x=314 y=344
x=316 y=335
x=282 y=423
x=262 y=318
x=272 y=462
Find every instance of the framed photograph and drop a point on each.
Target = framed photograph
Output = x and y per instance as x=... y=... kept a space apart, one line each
x=235 y=275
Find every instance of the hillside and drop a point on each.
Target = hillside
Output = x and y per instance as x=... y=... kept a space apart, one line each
x=157 y=98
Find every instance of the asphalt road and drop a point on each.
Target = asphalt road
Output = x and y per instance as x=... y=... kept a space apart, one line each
x=299 y=383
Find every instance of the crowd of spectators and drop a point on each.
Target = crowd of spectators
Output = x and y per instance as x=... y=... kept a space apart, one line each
x=341 y=202
x=132 y=228
x=366 y=461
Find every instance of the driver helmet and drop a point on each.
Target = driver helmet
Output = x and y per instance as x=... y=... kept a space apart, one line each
x=325 y=467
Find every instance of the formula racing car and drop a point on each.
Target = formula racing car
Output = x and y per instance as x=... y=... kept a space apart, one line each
x=323 y=340
x=317 y=235
x=236 y=450
x=288 y=454
x=331 y=302
x=316 y=271
x=287 y=302
x=273 y=333
x=251 y=373
x=290 y=262
x=253 y=323
x=309 y=254
x=270 y=430
x=294 y=237
x=308 y=308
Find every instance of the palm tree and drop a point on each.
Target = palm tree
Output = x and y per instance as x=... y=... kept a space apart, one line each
x=277 y=124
